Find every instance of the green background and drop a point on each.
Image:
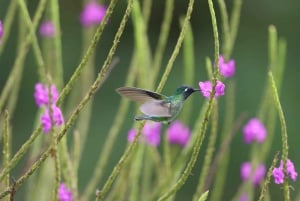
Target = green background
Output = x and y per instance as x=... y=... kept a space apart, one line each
x=250 y=54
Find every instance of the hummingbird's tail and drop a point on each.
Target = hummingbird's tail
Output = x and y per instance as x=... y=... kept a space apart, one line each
x=140 y=118
x=165 y=120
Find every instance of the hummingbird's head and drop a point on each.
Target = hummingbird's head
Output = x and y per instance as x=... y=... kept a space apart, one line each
x=186 y=91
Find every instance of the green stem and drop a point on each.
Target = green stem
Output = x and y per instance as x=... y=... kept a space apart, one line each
x=216 y=43
x=221 y=161
x=58 y=64
x=146 y=10
x=13 y=96
x=36 y=48
x=188 y=68
x=225 y=29
x=6 y=147
x=54 y=149
x=21 y=180
x=141 y=45
x=9 y=84
x=74 y=115
x=135 y=173
x=111 y=137
x=132 y=146
x=177 y=47
x=201 y=135
x=193 y=159
x=208 y=155
x=234 y=23
x=119 y=165
x=66 y=90
x=284 y=136
x=21 y=54
x=163 y=36
x=167 y=159
x=265 y=187
x=7 y=23
x=70 y=122
x=54 y=153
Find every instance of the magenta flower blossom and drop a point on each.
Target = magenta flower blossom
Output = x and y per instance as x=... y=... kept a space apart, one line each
x=278 y=174
x=178 y=133
x=92 y=14
x=151 y=132
x=206 y=88
x=1 y=31
x=57 y=118
x=47 y=29
x=243 y=197
x=254 y=130
x=64 y=194
x=245 y=170
x=227 y=69
x=41 y=94
x=259 y=174
x=131 y=134
x=256 y=176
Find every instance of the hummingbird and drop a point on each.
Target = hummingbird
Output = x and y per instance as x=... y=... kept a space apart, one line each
x=157 y=107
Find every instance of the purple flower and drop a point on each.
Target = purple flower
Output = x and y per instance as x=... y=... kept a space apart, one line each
x=254 y=130
x=244 y=197
x=178 y=133
x=151 y=132
x=47 y=29
x=46 y=119
x=247 y=172
x=1 y=31
x=206 y=88
x=259 y=174
x=278 y=175
x=131 y=134
x=92 y=14
x=41 y=94
x=227 y=69
x=290 y=170
x=64 y=194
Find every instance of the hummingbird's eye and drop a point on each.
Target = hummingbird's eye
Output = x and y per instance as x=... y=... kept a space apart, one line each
x=186 y=89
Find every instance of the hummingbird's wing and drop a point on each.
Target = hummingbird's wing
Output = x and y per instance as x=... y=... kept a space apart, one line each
x=156 y=108
x=153 y=104
x=139 y=95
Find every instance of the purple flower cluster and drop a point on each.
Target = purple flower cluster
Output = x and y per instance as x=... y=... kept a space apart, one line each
x=206 y=88
x=41 y=96
x=64 y=194
x=151 y=133
x=92 y=14
x=255 y=175
x=254 y=130
x=178 y=133
x=227 y=69
x=278 y=174
x=47 y=29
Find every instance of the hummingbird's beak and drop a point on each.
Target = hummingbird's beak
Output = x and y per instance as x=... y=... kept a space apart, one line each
x=196 y=89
